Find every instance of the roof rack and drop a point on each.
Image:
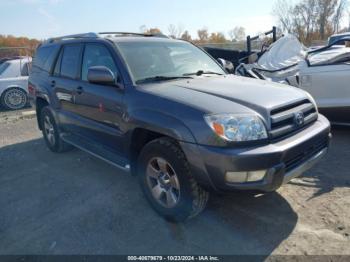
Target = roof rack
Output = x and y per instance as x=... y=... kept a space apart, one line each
x=135 y=34
x=76 y=36
x=97 y=35
x=123 y=33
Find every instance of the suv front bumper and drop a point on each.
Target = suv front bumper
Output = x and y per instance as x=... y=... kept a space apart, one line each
x=283 y=160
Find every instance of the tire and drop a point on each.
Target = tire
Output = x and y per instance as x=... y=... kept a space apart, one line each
x=14 y=98
x=164 y=170
x=51 y=132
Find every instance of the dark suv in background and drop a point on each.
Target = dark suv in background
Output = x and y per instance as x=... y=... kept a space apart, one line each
x=167 y=112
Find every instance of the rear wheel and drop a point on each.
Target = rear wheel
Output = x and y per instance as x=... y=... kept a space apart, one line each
x=14 y=98
x=51 y=132
x=167 y=182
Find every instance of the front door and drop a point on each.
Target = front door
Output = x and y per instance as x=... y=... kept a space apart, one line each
x=101 y=106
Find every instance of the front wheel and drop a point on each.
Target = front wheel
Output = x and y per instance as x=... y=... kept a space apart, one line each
x=167 y=182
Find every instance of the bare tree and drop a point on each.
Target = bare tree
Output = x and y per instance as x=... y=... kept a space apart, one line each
x=326 y=9
x=305 y=19
x=172 y=31
x=186 y=36
x=231 y=34
x=239 y=33
x=203 y=35
x=180 y=30
x=339 y=13
x=284 y=13
x=175 y=31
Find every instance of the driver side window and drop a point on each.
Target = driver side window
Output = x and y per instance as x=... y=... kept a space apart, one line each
x=97 y=55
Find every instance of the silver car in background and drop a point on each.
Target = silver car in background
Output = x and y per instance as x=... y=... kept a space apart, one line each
x=14 y=74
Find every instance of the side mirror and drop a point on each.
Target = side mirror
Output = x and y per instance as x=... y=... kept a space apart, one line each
x=100 y=75
x=226 y=64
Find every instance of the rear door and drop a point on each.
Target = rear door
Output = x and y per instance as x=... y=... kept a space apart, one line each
x=65 y=82
x=101 y=106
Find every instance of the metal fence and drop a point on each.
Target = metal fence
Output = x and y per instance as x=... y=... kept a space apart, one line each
x=8 y=52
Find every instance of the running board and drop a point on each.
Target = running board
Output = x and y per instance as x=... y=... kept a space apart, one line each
x=340 y=123
x=97 y=150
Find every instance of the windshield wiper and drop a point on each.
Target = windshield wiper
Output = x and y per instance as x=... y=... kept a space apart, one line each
x=161 y=78
x=202 y=72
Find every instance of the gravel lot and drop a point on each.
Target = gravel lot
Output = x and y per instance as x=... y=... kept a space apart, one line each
x=76 y=204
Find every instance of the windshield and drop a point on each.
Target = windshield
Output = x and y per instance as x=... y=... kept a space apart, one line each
x=147 y=60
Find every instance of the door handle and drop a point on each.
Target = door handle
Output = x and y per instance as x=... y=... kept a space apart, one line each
x=53 y=83
x=80 y=90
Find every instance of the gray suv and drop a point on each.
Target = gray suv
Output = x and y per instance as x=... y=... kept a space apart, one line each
x=168 y=113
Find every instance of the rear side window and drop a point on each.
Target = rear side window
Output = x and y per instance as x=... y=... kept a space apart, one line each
x=45 y=57
x=70 y=63
x=25 y=69
x=57 y=70
x=3 y=67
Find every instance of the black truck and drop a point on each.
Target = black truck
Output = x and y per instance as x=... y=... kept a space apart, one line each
x=168 y=113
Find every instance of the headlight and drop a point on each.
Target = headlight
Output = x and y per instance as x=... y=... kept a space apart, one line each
x=237 y=127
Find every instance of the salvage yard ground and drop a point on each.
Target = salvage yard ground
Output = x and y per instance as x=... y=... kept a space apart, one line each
x=76 y=204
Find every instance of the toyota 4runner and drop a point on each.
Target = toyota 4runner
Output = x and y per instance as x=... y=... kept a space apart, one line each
x=168 y=113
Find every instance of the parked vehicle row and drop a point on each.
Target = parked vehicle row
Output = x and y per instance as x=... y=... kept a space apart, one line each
x=323 y=72
x=14 y=74
x=168 y=113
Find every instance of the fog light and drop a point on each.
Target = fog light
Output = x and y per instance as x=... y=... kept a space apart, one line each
x=236 y=177
x=255 y=176
x=243 y=177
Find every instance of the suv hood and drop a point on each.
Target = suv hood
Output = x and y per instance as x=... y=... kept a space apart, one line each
x=215 y=94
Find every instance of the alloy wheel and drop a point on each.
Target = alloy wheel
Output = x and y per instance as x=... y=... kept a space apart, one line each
x=49 y=130
x=163 y=182
x=15 y=99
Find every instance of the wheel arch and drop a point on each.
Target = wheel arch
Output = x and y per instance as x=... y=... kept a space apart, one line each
x=149 y=125
x=13 y=86
x=139 y=138
x=40 y=103
x=160 y=122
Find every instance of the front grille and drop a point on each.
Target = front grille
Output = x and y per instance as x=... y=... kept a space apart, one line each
x=300 y=158
x=284 y=122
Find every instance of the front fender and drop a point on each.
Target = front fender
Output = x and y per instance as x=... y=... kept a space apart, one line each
x=173 y=127
x=161 y=123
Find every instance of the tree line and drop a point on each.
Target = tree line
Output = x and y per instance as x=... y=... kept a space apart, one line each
x=22 y=46
x=203 y=36
x=309 y=20
x=19 y=46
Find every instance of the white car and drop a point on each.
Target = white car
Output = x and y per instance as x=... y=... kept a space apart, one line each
x=324 y=73
x=14 y=82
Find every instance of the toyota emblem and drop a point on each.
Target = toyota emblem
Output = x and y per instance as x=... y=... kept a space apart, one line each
x=299 y=119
